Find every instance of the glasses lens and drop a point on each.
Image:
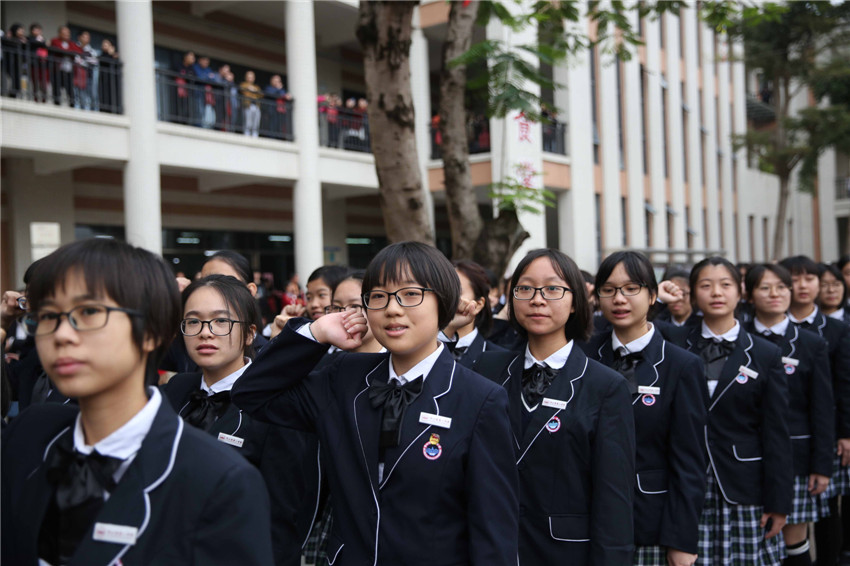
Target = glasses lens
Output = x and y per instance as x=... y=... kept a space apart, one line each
x=31 y=324
x=631 y=290
x=376 y=299
x=552 y=293
x=355 y=308
x=606 y=292
x=221 y=326
x=22 y=303
x=88 y=317
x=190 y=326
x=523 y=292
x=410 y=296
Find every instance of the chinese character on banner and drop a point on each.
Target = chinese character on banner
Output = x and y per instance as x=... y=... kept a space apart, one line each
x=524 y=128
x=526 y=173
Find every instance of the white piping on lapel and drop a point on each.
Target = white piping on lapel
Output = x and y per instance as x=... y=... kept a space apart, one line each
x=572 y=394
x=513 y=433
x=238 y=426
x=180 y=412
x=552 y=534
x=365 y=461
x=733 y=382
x=426 y=429
x=712 y=469
x=794 y=339
x=318 y=494
x=47 y=449
x=155 y=484
x=822 y=325
x=655 y=369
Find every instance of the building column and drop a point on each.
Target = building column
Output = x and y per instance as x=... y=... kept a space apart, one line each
x=675 y=141
x=724 y=144
x=142 y=208
x=307 y=193
x=709 y=106
x=739 y=127
x=655 y=136
x=612 y=222
x=420 y=84
x=633 y=134
x=694 y=157
x=826 y=180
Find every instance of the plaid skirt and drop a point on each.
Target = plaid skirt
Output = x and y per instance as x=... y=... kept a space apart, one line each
x=730 y=534
x=315 y=550
x=650 y=556
x=806 y=508
x=840 y=482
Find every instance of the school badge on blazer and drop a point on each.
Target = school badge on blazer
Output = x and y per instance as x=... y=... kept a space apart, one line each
x=432 y=448
x=554 y=425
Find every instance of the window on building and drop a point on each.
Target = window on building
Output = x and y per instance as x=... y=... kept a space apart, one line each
x=650 y=219
x=751 y=235
x=737 y=235
x=620 y=138
x=664 y=126
x=685 y=116
x=643 y=111
x=597 y=201
x=765 y=234
x=594 y=107
x=624 y=220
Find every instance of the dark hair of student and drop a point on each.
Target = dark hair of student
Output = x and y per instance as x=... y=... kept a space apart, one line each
x=637 y=266
x=756 y=274
x=481 y=289
x=330 y=274
x=579 y=325
x=836 y=272
x=800 y=265
x=715 y=261
x=132 y=277
x=842 y=261
x=423 y=264
x=237 y=261
x=676 y=273
x=492 y=278
x=355 y=275
x=588 y=276
x=237 y=297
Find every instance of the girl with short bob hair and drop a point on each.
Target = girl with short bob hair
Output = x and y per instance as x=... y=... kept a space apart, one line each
x=397 y=425
x=833 y=293
x=750 y=475
x=119 y=479
x=669 y=408
x=572 y=420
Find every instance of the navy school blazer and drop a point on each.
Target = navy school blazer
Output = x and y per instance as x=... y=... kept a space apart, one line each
x=287 y=459
x=837 y=336
x=670 y=460
x=448 y=494
x=746 y=438
x=811 y=407
x=193 y=501
x=576 y=463
x=478 y=346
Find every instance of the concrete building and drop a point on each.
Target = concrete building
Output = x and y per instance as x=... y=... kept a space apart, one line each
x=640 y=157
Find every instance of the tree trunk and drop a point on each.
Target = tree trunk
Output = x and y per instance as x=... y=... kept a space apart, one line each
x=384 y=30
x=500 y=238
x=781 y=165
x=465 y=220
x=779 y=229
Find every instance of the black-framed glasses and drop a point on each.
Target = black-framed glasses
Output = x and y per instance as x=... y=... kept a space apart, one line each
x=218 y=326
x=81 y=318
x=337 y=308
x=406 y=297
x=23 y=304
x=549 y=292
x=628 y=290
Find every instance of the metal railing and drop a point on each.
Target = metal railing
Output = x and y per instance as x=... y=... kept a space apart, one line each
x=344 y=128
x=478 y=134
x=38 y=72
x=842 y=188
x=555 y=137
x=222 y=106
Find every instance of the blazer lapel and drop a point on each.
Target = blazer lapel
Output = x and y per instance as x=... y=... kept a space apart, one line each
x=513 y=385
x=229 y=423
x=792 y=334
x=438 y=383
x=560 y=393
x=129 y=506
x=739 y=357
x=647 y=370
x=475 y=349
x=367 y=421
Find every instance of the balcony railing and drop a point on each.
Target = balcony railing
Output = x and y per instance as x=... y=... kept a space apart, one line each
x=344 y=128
x=477 y=133
x=221 y=106
x=842 y=188
x=34 y=71
x=555 y=137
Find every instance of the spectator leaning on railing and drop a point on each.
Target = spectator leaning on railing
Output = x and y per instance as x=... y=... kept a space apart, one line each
x=278 y=116
x=109 y=83
x=63 y=71
x=86 y=75
x=251 y=94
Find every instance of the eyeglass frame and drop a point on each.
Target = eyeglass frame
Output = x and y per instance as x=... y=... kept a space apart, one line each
x=536 y=289
x=331 y=309
x=22 y=302
x=209 y=325
x=67 y=314
x=365 y=297
x=621 y=290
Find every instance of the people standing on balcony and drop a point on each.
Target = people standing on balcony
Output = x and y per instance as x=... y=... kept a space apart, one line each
x=39 y=73
x=251 y=95
x=279 y=119
x=14 y=60
x=87 y=75
x=227 y=100
x=109 y=82
x=205 y=100
x=185 y=81
x=63 y=68
x=329 y=105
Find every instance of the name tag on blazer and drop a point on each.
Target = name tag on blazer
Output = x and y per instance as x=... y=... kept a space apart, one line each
x=119 y=534
x=647 y=390
x=745 y=373
x=790 y=361
x=554 y=403
x=435 y=420
x=232 y=440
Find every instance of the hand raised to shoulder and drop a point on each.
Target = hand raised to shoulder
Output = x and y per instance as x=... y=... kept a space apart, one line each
x=343 y=329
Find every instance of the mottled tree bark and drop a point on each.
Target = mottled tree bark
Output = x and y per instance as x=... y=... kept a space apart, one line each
x=384 y=30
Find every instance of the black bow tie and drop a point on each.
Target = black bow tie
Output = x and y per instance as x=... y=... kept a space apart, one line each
x=394 y=398
x=80 y=481
x=535 y=381
x=626 y=364
x=711 y=349
x=202 y=410
x=775 y=338
x=805 y=325
x=458 y=352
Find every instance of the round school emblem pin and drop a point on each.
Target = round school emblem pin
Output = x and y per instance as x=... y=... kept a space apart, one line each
x=432 y=449
x=554 y=425
x=790 y=369
x=741 y=378
x=649 y=400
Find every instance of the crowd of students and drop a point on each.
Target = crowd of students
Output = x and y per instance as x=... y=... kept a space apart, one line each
x=413 y=413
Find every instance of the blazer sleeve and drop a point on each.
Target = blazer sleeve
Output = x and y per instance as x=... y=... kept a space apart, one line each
x=492 y=485
x=276 y=388
x=686 y=480
x=841 y=382
x=613 y=469
x=821 y=412
x=234 y=526
x=776 y=440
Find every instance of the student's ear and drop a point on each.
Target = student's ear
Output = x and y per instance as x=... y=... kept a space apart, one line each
x=479 y=305
x=253 y=288
x=149 y=344
x=252 y=331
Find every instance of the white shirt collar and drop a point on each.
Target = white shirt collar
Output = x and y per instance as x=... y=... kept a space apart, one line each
x=125 y=442
x=779 y=328
x=730 y=335
x=226 y=383
x=810 y=319
x=555 y=361
x=635 y=345
x=463 y=342
x=837 y=315
x=422 y=369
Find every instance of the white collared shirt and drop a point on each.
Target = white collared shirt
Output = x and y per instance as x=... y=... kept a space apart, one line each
x=810 y=318
x=730 y=336
x=422 y=369
x=633 y=346
x=780 y=328
x=226 y=383
x=462 y=342
x=555 y=361
x=125 y=442
x=837 y=315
